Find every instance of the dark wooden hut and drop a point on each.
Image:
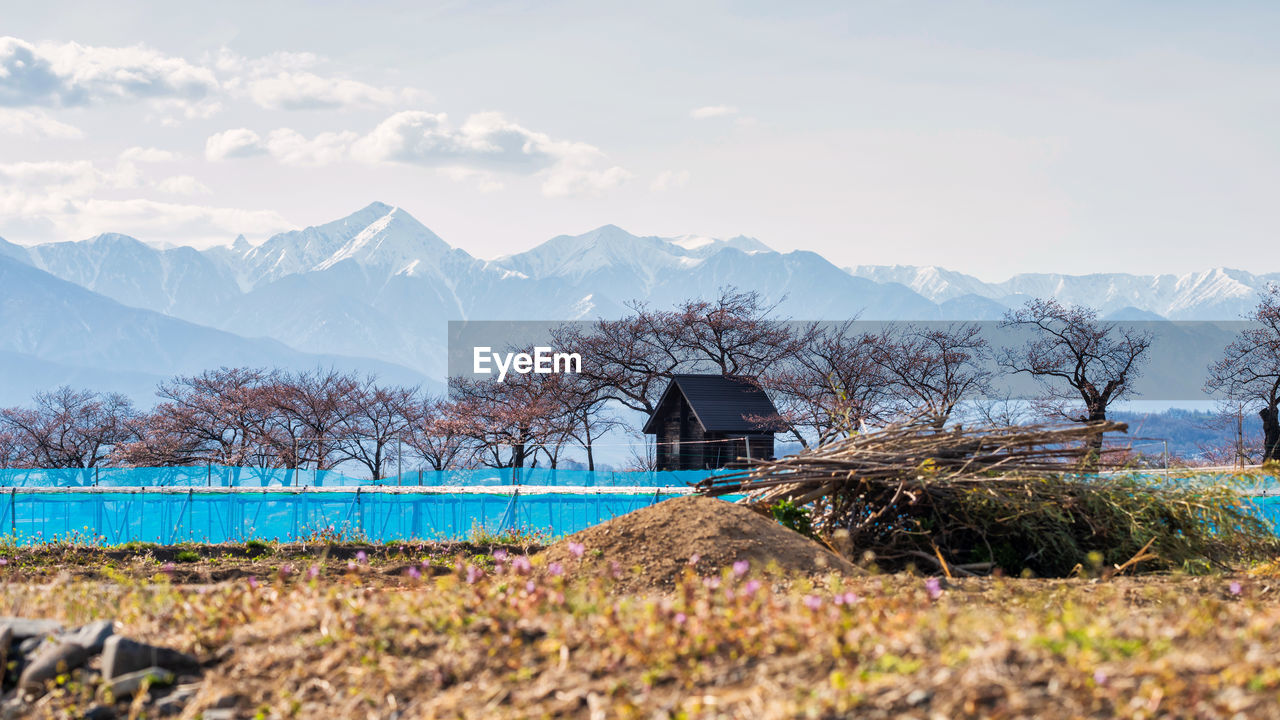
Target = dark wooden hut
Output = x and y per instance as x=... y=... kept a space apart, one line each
x=708 y=421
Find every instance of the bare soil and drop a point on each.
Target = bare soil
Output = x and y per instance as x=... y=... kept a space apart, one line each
x=652 y=547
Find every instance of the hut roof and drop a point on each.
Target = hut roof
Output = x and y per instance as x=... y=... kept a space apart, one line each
x=721 y=403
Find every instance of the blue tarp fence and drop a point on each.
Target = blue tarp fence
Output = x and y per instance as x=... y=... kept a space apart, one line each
x=175 y=516
x=249 y=477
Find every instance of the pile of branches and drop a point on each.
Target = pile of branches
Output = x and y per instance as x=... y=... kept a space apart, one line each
x=970 y=500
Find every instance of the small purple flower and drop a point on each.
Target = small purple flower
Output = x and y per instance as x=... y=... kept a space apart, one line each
x=740 y=568
x=362 y=557
x=286 y=571
x=712 y=582
x=500 y=554
x=351 y=566
x=680 y=618
x=615 y=570
x=576 y=549
x=1234 y=588
x=1100 y=678
x=313 y=572
x=813 y=602
x=521 y=565
x=556 y=569
x=750 y=587
x=694 y=558
x=846 y=598
x=934 y=587
x=473 y=574
x=3 y=562
x=530 y=586
x=414 y=573
x=253 y=583
x=168 y=568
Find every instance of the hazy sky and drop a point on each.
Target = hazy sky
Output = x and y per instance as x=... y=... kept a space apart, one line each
x=991 y=138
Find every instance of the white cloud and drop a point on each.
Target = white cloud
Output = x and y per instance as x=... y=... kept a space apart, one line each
x=485 y=140
x=68 y=74
x=149 y=155
x=75 y=178
x=565 y=181
x=36 y=123
x=51 y=200
x=235 y=143
x=183 y=185
x=308 y=91
x=289 y=81
x=713 y=111
x=670 y=180
x=232 y=63
x=293 y=148
x=44 y=216
x=486 y=143
x=484 y=181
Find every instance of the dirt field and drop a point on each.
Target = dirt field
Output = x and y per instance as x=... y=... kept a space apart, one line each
x=478 y=631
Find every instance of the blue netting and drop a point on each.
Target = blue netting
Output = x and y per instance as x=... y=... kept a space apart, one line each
x=241 y=477
x=113 y=518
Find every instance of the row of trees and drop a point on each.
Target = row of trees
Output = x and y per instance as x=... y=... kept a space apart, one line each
x=826 y=380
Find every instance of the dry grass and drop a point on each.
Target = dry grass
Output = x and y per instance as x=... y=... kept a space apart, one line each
x=528 y=642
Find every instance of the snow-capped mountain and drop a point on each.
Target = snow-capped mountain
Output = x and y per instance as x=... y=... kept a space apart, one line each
x=54 y=332
x=1217 y=294
x=377 y=236
x=179 y=281
x=379 y=284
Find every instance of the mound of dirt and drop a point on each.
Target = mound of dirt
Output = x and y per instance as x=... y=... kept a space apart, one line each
x=653 y=545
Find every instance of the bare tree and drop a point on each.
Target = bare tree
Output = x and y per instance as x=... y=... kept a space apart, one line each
x=374 y=428
x=632 y=359
x=625 y=360
x=930 y=371
x=317 y=404
x=1083 y=364
x=68 y=428
x=216 y=417
x=831 y=388
x=1249 y=371
x=515 y=420
x=437 y=436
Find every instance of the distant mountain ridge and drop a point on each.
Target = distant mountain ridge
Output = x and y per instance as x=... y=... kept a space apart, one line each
x=380 y=285
x=1216 y=294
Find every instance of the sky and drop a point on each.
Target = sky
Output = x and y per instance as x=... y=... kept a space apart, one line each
x=989 y=138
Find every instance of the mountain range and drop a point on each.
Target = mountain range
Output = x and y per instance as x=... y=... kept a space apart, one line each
x=374 y=290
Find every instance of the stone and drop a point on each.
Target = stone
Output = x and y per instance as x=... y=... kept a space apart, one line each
x=175 y=702
x=23 y=628
x=100 y=712
x=12 y=708
x=120 y=656
x=127 y=685
x=219 y=714
x=50 y=662
x=6 y=640
x=92 y=636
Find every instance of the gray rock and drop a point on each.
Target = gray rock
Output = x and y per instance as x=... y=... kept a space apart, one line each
x=100 y=712
x=175 y=702
x=219 y=714
x=14 y=707
x=127 y=685
x=6 y=639
x=92 y=636
x=23 y=628
x=120 y=655
x=29 y=645
x=50 y=662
